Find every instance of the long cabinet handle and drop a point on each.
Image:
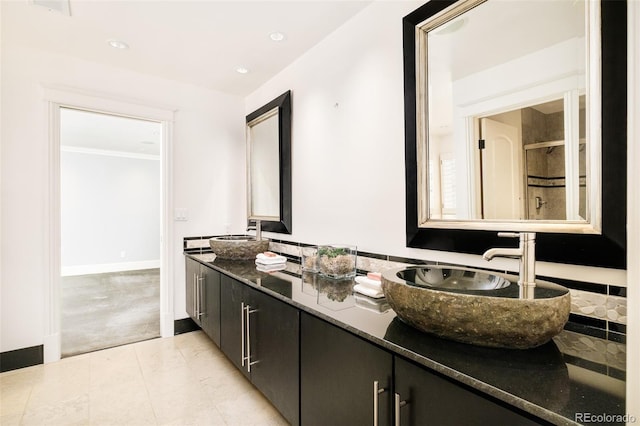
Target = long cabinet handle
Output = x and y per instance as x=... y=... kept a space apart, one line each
x=397 y=406
x=377 y=390
x=249 y=311
x=200 y=279
x=245 y=337
x=195 y=295
x=242 y=332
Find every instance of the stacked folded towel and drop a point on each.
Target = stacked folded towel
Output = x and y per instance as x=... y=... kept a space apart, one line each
x=270 y=262
x=370 y=285
x=379 y=306
x=271 y=268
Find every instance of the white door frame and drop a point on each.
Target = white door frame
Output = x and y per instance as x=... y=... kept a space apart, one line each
x=56 y=98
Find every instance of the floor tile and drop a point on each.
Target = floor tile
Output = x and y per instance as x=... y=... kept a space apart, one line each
x=10 y=419
x=159 y=355
x=60 y=381
x=183 y=380
x=226 y=386
x=126 y=403
x=114 y=366
x=72 y=411
x=250 y=409
x=15 y=389
x=205 y=417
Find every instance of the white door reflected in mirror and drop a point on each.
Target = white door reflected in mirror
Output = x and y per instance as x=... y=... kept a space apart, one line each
x=500 y=170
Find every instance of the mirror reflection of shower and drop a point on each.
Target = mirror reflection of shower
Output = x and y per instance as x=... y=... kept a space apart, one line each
x=546 y=183
x=555 y=164
x=552 y=152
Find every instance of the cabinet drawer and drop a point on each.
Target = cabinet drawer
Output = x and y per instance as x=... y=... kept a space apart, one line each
x=433 y=399
x=338 y=371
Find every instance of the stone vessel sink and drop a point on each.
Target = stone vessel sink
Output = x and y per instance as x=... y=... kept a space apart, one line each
x=238 y=247
x=476 y=307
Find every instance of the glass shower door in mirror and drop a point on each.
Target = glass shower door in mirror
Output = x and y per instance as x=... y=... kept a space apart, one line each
x=548 y=189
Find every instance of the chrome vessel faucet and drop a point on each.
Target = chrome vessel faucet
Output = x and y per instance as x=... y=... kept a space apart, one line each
x=258 y=230
x=526 y=253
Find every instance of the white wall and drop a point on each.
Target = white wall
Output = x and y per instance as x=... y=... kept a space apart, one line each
x=348 y=143
x=208 y=171
x=110 y=210
x=633 y=229
x=347 y=135
x=348 y=152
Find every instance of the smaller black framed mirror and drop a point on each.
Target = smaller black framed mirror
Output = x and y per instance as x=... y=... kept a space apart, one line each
x=268 y=134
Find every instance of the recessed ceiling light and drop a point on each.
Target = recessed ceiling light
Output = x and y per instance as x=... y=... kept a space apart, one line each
x=118 y=44
x=242 y=70
x=61 y=6
x=148 y=142
x=452 y=27
x=276 y=36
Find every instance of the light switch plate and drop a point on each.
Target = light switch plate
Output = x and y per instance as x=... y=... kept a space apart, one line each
x=181 y=215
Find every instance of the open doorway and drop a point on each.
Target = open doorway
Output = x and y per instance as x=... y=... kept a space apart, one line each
x=110 y=217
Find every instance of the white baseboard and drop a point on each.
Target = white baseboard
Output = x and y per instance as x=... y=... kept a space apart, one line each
x=52 y=348
x=68 y=271
x=166 y=324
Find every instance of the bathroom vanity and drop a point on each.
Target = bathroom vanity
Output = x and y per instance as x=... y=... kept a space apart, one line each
x=322 y=356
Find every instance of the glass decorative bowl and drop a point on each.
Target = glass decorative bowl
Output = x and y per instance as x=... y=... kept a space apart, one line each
x=337 y=261
x=309 y=259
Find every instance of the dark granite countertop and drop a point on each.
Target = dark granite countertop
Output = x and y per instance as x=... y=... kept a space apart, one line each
x=544 y=381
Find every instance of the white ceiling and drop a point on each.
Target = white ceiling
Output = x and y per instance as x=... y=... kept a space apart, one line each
x=199 y=42
x=489 y=35
x=496 y=32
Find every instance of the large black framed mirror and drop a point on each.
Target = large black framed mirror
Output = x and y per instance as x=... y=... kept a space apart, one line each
x=594 y=237
x=268 y=133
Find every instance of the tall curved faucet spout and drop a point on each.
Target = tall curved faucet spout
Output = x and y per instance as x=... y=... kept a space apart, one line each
x=501 y=252
x=526 y=252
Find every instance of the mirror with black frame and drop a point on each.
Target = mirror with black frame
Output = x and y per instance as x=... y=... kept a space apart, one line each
x=268 y=134
x=514 y=120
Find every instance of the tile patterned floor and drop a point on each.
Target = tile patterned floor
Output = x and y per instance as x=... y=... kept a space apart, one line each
x=183 y=380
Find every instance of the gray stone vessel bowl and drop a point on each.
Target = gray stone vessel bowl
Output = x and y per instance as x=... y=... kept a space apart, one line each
x=238 y=247
x=476 y=307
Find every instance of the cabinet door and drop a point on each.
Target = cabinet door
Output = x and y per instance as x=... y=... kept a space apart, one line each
x=337 y=375
x=192 y=269
x=231 y=321
x=274 y=349
x=210 y=304
x=433 y=399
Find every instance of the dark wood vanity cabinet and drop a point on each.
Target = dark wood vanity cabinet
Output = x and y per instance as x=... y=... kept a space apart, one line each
x=339 y=372
x=192 y=269
x=316 y=373
x=232 y=320
x=211 y=298
x=346 y=380
x=424 y=397
x=203 y=297
x=260 y=335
